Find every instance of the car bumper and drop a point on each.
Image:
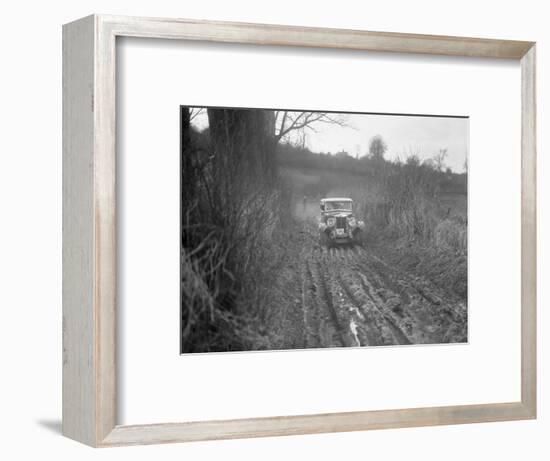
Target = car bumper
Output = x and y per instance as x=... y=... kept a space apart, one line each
x=341 y=241
x=343 y=237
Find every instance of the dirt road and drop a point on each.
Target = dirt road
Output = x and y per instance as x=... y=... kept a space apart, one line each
x=348 y=296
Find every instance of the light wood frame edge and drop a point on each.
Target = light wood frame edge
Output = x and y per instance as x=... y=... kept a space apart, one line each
x=89 y=230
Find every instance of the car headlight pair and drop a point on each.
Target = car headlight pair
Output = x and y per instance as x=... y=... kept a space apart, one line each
x=331 y=222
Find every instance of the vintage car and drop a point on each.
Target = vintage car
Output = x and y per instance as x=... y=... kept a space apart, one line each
x=337 y=223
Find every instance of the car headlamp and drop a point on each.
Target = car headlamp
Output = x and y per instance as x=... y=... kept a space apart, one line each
x=331 y=221
x=352 y=221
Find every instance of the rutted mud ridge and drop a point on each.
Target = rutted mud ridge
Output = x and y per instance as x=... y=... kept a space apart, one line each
x=350 y=297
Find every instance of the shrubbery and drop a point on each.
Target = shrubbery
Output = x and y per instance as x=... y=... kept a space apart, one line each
x=229 y=246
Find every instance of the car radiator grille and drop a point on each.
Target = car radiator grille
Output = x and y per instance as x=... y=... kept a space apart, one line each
x=341 y=222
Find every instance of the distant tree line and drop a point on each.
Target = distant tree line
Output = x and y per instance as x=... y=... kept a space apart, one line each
x=373 y=166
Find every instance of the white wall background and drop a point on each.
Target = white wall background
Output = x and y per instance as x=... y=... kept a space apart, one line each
x=155 y=75
x=30 y=235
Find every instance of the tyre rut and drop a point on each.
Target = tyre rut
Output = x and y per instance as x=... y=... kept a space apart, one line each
x=351 y=297
x=331 y=334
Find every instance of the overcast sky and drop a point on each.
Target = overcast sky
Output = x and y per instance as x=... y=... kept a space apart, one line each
x=403 y=134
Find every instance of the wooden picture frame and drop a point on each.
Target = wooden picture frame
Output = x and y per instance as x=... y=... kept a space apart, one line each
x=89 y=237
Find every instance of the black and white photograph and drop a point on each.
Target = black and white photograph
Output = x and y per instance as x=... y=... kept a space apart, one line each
x=310 y=229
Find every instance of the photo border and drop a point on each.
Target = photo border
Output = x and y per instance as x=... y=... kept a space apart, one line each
x=343 y=112
x=89 y=229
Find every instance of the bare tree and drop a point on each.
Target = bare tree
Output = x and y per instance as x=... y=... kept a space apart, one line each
x=413 y=160
x=286 y=121
x=438 y=160
x=377 y=147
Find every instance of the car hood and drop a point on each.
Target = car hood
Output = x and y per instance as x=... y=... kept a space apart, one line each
x=339 y=214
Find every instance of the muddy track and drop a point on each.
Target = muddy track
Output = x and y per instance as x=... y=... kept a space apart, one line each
x=332 y=332
x=350 y=297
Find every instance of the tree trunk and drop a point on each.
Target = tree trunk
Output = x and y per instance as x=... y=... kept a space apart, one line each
x=242 y=144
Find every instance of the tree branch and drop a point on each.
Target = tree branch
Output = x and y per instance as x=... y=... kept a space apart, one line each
x=306 y=120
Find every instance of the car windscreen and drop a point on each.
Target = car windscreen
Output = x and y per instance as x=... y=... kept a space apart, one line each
x=341 y=205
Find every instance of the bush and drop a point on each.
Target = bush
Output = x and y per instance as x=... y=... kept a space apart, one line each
x=230 y=216
x=452 y=233
x=424 y=238
x=225 y=272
